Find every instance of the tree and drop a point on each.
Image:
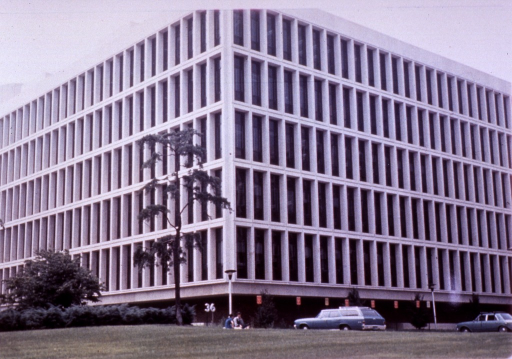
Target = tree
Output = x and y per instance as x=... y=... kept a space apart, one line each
x=418 y=316
x=266 y=314
x=52 y=279
x=354 y=298
x=169 y=251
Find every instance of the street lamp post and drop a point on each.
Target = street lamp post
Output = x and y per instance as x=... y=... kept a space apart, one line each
x=432 y=286
x=230 y=273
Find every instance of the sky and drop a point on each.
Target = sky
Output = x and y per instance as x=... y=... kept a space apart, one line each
x=42 y=38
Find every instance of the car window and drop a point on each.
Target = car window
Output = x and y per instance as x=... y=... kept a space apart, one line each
x=323 y=314
x=334 y=314
x=481 y=318
x=350 y=313
x=491 y=317
x=506 y=316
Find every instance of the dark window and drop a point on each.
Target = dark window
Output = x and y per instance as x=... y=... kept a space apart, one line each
x=360 y=112
x=302 y=45
x=288 y=92
x=407 y=79
x=255 y=30
x=272 y=87
x=391 y=216
x=351 y=211
x=378 y=213
x=470 y=99
x=319 y=113
x=440 y=90
x=274 y=141
x=322 y=205
x=271 y=34
x=373 y=115
x=241 y=252
x=308 y=258
x=292 y=203
x=304 y=108
x=290 y=146
x=259 y=253
x=239 y=79
x=394 y=69
x=335 y=157
x=287 y=40
x=387 y=156
x=217 y=74
x=240 y=135
x=417 y=75
x=450 y=94
x=333 y=110
x=203 y=31
x=375 y=163
x=344 y=59
x=218 y=138
x=142 y=51
x=203 y=84
x=357 y=62
x=459 y=96
x=398 y=122
x=320 y=155
x=241 y=193
x=362 y=161
x=275 y=205
x=306 y=188
x=305 y=149
x=412 y=171
x=257 y=139
x=421 y=127
x=317 y=63
x=400 y=167
x=403 y=217
x=190 y=90
x=383 y=77
x=366 y=263
x=238 y=27
x=408 y=114
x=330 y=54
x=256 y=83
x=190 y=37
x=293 y=257
x=429 y=87
x=348 y=158
x=324 y=260
x=371 y=70
x=216 y=27
x=346 y=107
x=276 y=256
x=258 y=195
x=336 y=204
x=385 y=117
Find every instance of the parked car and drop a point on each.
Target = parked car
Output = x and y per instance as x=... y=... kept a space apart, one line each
x=488 y=322
x=344 y=318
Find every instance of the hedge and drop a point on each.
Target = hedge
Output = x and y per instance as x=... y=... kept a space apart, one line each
x=85 y=316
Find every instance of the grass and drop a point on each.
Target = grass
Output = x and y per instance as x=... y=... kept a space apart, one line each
x=162 y=341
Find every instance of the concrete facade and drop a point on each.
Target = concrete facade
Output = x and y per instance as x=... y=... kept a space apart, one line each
x=351 y=159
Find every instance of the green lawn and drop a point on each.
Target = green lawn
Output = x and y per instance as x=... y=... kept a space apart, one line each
x=162 y=341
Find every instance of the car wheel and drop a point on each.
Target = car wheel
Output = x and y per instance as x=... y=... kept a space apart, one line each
x=464 y=330
x=304 y=327
x=344 y=327
x=502 y=329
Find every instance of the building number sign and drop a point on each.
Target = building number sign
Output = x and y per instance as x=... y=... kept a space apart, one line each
x=209 y=307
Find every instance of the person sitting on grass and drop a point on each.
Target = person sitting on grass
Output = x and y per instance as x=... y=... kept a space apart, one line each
x=238 y=322
x=228 y=324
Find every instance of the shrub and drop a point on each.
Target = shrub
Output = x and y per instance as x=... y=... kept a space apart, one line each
x=266 y=314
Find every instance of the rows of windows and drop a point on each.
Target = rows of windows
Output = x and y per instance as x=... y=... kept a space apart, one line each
x=287 y=144
x=114 y=265
x=124 y=118
x=311 y=46
x=289 y=91
x=305 y=257
x=154 y=55
x=105 y=172
x=91 y=223
x=262 y=195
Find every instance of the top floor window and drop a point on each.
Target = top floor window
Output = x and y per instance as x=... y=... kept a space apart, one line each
x=330 y=54
x=239 y=79
x=271 y=34
x=302 y=45
x=216 y=27
x=238 y=27
x=255 y=30
x=317 y=62
x=287 y=40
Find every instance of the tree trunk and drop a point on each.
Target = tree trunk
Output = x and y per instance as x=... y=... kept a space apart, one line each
x=177 y=276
